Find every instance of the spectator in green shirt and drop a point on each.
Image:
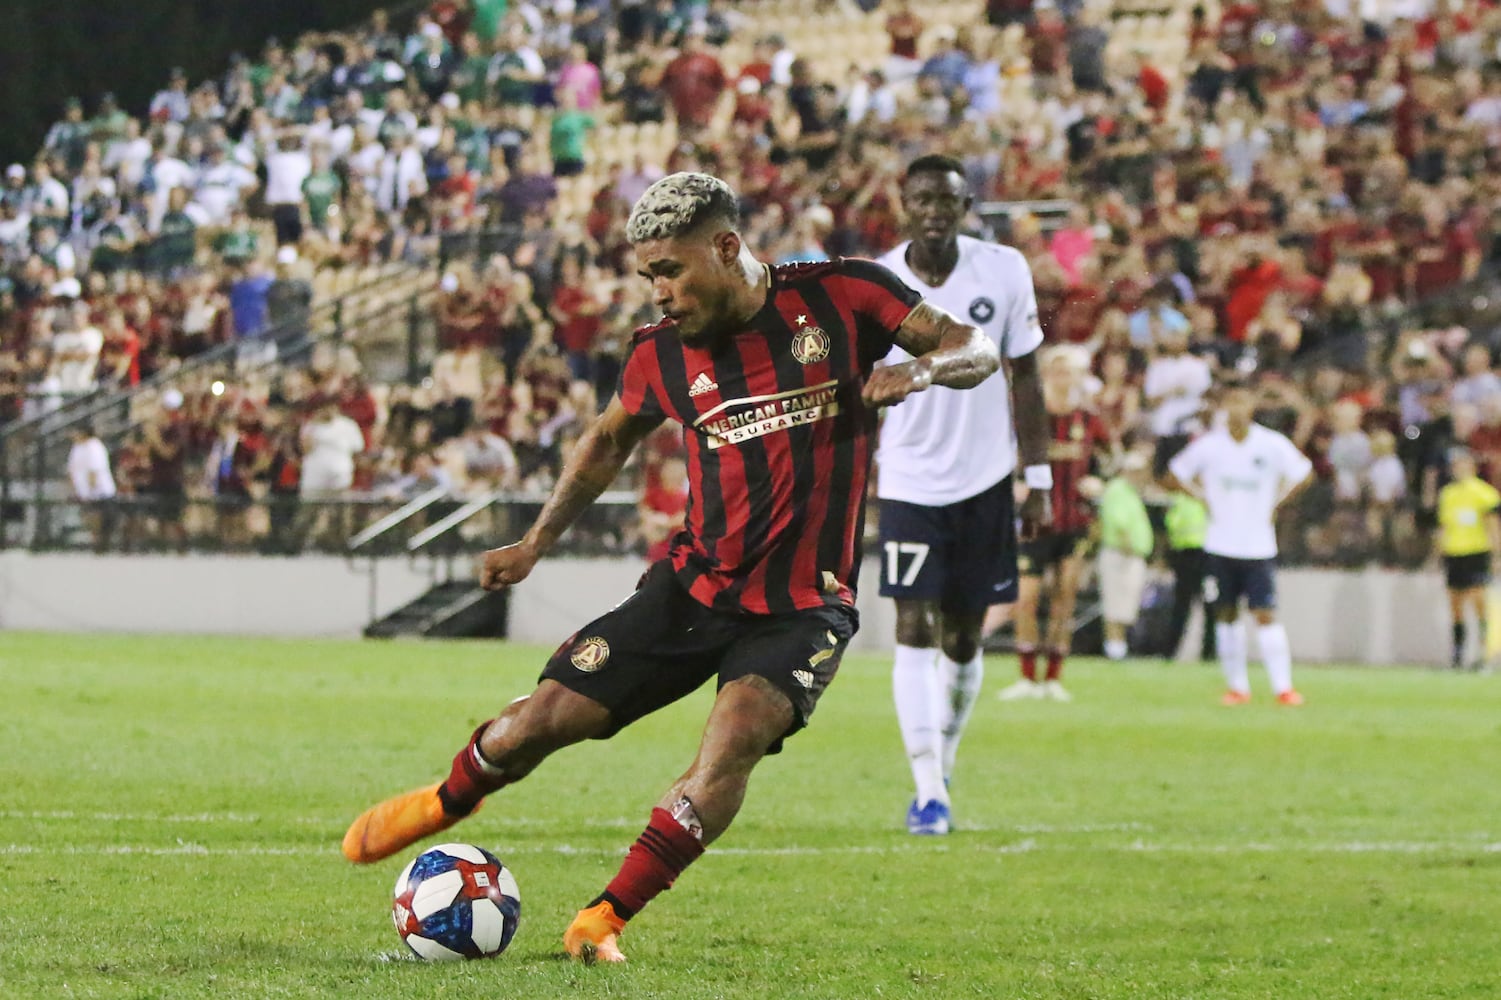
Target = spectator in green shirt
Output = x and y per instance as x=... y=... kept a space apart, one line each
x=238 y=243
x=471 y=78
x=1125 y=543
x=1187 y=520
x=488 y=17
x=321 y=190
x=570 y=133
x=176 y=240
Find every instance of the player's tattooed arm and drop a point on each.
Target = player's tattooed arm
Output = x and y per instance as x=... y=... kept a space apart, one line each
x=944 y=351
x=597 y=459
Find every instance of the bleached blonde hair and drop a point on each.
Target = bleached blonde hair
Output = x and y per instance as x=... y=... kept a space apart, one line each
x=679 y=203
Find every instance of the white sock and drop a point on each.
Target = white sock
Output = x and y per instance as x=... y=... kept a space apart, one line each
x=1277 y=655
x=960 y=684
x=1230 y=638
x=914 y=684
x=1116 y=649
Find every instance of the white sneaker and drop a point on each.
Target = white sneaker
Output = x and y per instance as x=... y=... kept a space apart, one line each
x=1022 y=690
x=1055 y=691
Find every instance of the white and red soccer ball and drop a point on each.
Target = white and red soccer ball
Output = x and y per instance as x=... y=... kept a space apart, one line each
x=456 y=901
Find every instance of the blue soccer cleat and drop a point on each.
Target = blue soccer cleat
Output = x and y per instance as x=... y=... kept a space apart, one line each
x=932 y=820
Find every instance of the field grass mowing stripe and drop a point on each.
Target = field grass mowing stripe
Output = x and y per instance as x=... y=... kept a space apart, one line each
x=620 y=823
x=1021 y=847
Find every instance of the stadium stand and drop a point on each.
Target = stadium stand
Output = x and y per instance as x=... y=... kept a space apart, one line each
x=421 y=220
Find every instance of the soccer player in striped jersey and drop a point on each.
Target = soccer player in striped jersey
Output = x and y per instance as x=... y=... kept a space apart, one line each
x=947 y=486
x=1079 y=441
x=772 y=373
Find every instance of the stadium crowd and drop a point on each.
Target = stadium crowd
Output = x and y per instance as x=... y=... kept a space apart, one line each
x=1264 y=187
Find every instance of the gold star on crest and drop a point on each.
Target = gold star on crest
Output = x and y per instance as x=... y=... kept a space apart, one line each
x=802 y=321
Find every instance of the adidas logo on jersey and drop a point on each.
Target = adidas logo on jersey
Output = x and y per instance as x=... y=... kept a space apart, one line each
x=702 y=384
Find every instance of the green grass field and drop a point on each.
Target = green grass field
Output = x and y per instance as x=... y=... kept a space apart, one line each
x=171 y=808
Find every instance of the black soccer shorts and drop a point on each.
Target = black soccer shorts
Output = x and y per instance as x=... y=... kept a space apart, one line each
x=963 y=556
x=1228 y=580
x=1467 y=572
x=1049 y=549
x=661 y=645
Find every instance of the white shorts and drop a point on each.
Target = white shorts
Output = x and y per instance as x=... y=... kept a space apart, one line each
x=1122 y=579
x=325 y=482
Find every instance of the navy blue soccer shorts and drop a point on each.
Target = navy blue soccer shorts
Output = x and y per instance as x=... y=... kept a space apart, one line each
x=962 y=556
x=1228 y=581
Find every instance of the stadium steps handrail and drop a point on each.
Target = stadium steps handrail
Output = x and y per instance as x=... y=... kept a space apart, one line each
x=398 y=517
x=443 y=526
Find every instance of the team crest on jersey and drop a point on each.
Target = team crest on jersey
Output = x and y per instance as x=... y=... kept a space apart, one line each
x=810 y=345
x=982 y=310
x=591 y=654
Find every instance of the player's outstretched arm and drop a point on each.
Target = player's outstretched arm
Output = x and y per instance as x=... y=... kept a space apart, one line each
x=944 y=352
x=596 y=461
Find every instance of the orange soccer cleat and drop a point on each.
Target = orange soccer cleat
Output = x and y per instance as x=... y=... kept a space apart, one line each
x=1290 y=698
x=384 y=829
x=1233 y=698
x=594 y=935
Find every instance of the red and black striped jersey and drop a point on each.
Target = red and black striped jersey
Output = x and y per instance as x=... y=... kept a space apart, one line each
x=779 y=441
x=1078 y=437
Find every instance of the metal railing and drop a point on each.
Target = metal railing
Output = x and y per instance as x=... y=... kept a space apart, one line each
x=362 y=525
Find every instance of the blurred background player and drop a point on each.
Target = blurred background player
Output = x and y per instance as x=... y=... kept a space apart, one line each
x=1469 y=536
x=1079 y=440
x=946 y=489
x=1243 y=472
x=1125 y=544
x=1186 y=520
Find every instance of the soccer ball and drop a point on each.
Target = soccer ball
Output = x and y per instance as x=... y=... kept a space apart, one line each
x=456 y=901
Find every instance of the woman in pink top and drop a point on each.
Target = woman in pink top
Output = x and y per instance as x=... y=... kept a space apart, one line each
x=579 y=75
x=1073 y=242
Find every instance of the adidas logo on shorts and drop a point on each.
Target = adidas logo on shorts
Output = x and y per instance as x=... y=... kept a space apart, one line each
x=702 y=384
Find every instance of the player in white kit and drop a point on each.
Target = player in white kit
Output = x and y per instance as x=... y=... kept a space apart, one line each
x=1243 y=472
x=947 y=496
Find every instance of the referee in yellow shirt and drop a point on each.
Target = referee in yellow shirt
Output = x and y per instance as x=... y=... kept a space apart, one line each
x=1469 y=536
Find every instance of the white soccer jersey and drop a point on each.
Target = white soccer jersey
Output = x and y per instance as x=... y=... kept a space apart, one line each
x=942 y=445
x=1242 y=482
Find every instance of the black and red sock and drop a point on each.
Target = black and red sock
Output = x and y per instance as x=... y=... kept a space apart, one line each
x=470 y=778
x=653 y=863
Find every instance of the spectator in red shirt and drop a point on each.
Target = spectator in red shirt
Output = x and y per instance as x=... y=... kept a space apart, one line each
x=357 y=402
x=1485 y=440
x=1153 y=85
x=1249 y=287
x=663 y=508
x=121 y=362
x=576 y=312
x=1441 y=254
x=905 y=28
x=458 y=189
x=453 y=16
x=694 y=82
